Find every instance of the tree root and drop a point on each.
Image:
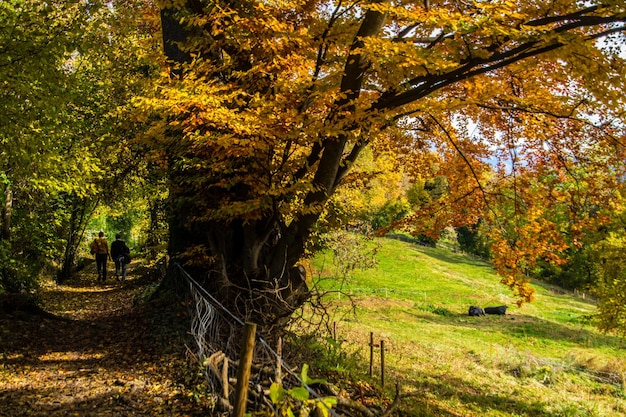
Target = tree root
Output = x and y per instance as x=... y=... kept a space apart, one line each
x=366 y=412
x=15 y=304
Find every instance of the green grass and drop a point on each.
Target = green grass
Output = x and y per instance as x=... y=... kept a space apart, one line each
x=543 y=359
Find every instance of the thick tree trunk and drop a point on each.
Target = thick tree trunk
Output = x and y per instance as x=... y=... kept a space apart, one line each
x=154 y=229
x=173 y=33
x=233 y=260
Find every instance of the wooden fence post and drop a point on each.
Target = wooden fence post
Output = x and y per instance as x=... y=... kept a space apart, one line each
x=243 y=372
x=371 y=354
x=279 y=364
x=382 y=363
x=225 y=377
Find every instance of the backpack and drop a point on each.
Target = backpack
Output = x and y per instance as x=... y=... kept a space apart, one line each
x=97 y=247
x=127 y=257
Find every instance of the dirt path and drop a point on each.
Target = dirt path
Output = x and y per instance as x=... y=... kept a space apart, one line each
x=115 y=356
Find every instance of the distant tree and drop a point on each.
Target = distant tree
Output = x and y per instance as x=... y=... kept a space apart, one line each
x=472 y=241
x=374 y=191
x=610 y=287
x=388 y=214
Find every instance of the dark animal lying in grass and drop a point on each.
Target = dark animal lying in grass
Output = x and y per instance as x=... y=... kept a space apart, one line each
x=476 y=311
x=501 y=310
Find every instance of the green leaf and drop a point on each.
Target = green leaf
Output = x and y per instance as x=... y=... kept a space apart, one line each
x=299 y=393
x=305 y=377
x=277 y=393
x=325 y=404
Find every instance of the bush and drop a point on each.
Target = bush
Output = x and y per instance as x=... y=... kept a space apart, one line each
x=16 y=273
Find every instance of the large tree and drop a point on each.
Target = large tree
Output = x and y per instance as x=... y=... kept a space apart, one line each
x=268 y=104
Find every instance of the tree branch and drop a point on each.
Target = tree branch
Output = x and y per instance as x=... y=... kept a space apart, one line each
x=424 y=85
x=568 y=116
x=328 y=152
x=467 y=162
x=351 y=84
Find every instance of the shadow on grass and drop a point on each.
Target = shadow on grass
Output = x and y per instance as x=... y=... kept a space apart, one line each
x=441 y=255
x=521 y=327
x=470 y=394
x=555 y=290
x=454 y=258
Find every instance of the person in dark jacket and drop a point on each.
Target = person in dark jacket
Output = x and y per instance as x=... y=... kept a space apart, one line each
x=120 y=254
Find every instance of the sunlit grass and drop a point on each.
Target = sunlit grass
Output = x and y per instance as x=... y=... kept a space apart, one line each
x=543 y=359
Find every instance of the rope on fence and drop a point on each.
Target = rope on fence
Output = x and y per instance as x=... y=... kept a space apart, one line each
x=214 y=328
x=202 y=322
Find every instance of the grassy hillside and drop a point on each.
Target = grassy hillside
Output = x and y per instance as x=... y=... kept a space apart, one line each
x=543 y=359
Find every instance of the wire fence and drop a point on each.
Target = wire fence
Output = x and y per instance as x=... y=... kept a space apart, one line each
x=217 y=335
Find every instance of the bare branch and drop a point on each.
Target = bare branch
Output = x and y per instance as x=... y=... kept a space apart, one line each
x=568 y=116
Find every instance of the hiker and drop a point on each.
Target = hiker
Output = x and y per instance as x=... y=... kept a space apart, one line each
x=100 y=248
x=121 y=256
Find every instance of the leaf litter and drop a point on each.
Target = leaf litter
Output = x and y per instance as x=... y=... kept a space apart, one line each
x=108 y=354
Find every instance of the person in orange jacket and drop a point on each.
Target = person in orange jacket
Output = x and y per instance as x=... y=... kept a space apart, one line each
x=100 y=248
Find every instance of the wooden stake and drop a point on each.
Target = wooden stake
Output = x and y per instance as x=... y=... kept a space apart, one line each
x=279 y=355
x=371 y=354
x=382 y=363
x=243 y=372
x=225 y=377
